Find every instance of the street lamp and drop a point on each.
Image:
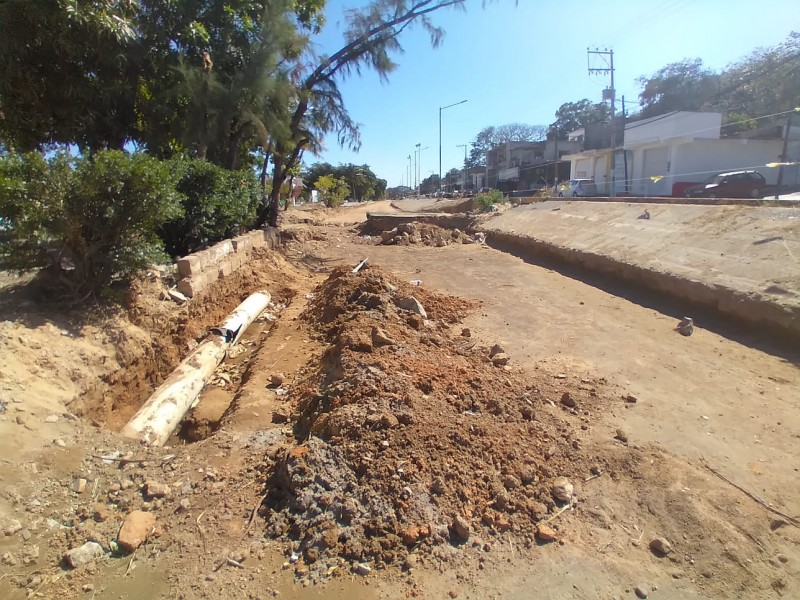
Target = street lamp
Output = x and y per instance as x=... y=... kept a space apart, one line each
x=419 y=167
x=441 y=108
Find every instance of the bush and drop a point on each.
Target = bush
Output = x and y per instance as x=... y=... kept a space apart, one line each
x=32 y=192
x=96 y=217
x=490 y=198
x=217 y=204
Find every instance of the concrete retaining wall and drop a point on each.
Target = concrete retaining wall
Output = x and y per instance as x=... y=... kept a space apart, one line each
x=739 y=261
x=200 y=270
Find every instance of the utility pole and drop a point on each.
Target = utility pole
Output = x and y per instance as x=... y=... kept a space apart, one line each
x=416 y=172
x=410 y=179
x=610 y=94
x=441 y=108
x=784 y=159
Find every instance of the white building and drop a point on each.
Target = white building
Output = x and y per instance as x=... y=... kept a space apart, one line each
x=663 y=155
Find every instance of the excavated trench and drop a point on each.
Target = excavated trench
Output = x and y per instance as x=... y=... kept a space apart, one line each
x=170 y=333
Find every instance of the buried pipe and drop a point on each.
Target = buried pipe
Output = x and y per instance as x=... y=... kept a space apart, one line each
x=155 y=421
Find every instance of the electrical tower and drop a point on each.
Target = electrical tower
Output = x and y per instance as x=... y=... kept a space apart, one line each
x=606 y=58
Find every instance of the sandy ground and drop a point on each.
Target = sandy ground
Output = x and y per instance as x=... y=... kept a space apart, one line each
x=727 y=398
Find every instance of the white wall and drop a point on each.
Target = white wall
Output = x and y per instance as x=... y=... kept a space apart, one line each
x=698 y=160
x=680 y=124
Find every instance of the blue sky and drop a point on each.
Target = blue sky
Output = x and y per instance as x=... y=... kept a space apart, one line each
x=520 y=63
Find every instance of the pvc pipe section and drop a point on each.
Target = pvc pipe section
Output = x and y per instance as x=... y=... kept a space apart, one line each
x=158 y=418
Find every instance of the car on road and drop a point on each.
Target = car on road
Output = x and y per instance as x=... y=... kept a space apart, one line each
x=575 y=188
x=734 y=184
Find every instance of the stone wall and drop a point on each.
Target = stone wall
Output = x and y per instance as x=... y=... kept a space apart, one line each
x=199 y=270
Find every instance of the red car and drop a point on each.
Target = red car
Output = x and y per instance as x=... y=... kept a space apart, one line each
x=736 y=184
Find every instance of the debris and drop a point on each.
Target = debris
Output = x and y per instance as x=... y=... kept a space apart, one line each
x=646 y=216
x=495 y=350
x=11 y=526
x=621 y=436
x=135 y=530
x=410 y=303
x=545 y=533
x=30 y=554
x=466 y=333
x=360 y=265
x=631 y=399
x=686 y=326
x=461 y=528
x=362 y=569
x=562 y=489
x=660 y=546
x=640 y=590
x=8 y=559
x=51 y=419
x=153 y=489
x=83 y=555
x=500 y=360
x=381 y=338
x=176 y=296
x=416 y=282
x=568 y=400
x=277 y=379
x=78 y=485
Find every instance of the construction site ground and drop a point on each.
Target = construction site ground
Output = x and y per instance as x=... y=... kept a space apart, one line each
x=340 y=390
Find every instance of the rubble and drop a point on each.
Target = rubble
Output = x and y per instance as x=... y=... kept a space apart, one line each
x=83 y=555
x=135 y=530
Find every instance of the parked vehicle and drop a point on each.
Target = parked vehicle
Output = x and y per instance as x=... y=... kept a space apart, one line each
x=735 y=184
x=578 y=188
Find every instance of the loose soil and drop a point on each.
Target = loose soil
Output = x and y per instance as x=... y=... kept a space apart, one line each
x=390 y=435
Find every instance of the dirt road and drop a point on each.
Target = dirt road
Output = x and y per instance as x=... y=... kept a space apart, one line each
x=704 y=395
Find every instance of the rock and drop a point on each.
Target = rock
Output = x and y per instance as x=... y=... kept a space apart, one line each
x=8 y=559
x=281 y=414
x=184 y=505
x=153 y=489
x=640 y=591
x=407 y=228
x=362 y=569
x=496 y=349
x=453 y=593
x=87 y=587
x=783 y=558
x=60 y=443
x=381 y=338
x=83 y=555
x=389 y=421
x=568 y=400
x=545 y=533
x=413 y=533
x=466 y=333
x=135 y=530
x=631 y=399
x=562 y=489
x=26 y=534
x=500 y=359
x=410 y=562
x=176 y=296
x=461 y=528
x=11 y=526
x=621 y=436
x=387 y=236
x=686 y=326
x=51 y=419
x=30 y=554
x=660 y=546
x=411 y=304
x=277 y=379
x=78 y=485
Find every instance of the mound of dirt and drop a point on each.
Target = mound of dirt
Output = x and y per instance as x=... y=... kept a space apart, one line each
x=414 y=437
x=425 y=234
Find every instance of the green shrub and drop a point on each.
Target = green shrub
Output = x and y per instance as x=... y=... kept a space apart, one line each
x=96 y=217
x=217 y=204
x=32 y=192
x=490 y=198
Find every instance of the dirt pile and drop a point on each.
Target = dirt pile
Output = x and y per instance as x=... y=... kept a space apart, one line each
x=425 y=234
x=415 y=438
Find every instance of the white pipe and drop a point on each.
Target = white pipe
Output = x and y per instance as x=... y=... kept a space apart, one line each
x=155 y=421
x=234 y=326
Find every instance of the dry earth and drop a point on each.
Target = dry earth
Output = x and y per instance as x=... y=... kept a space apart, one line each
x=354 y=448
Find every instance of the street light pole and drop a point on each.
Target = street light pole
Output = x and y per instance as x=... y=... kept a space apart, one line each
x=441 y=108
